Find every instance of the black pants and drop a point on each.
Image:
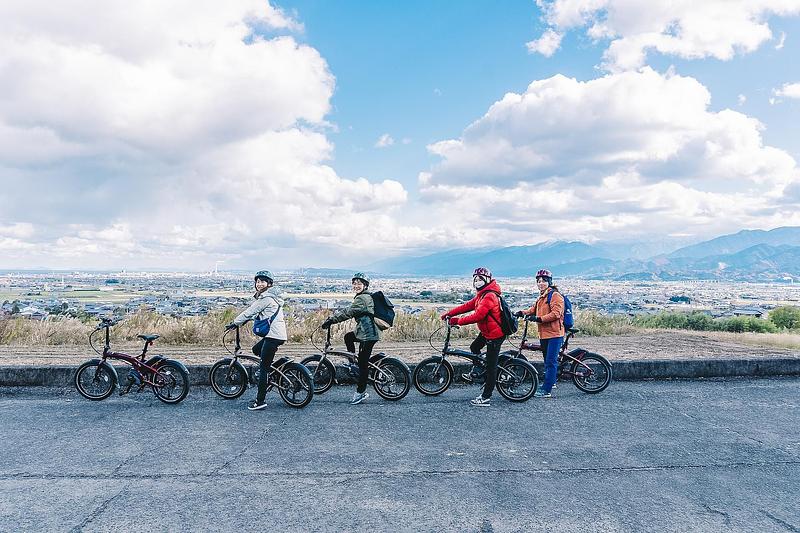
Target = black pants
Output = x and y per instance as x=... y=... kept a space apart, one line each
x=364 y=353
x=492 y=355
x=266 y=348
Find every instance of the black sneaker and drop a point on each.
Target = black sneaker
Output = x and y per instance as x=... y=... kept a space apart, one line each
x=255 y=406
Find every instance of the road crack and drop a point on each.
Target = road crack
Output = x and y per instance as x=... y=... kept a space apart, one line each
x=399 y=473
x=98 y=511
x=785 y=524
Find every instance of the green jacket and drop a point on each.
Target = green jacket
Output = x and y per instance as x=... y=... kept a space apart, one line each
x=362 y=309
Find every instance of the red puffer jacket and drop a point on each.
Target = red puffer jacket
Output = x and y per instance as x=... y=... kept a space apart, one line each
x=485 y=309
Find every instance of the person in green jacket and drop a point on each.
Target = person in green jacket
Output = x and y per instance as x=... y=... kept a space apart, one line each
x=366 y=334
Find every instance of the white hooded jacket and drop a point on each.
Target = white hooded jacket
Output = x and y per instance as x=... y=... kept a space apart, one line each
x=264 y=306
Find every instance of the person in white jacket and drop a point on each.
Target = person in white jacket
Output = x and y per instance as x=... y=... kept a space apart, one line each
x=268 y=304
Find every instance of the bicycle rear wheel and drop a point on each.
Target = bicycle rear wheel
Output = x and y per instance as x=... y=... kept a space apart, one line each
x=517 y=380
x=432 y=376
x=392 y=379
x=592 y=373
x=296 y=386
x=95 y=380
x=171 y=383
x=228 y=380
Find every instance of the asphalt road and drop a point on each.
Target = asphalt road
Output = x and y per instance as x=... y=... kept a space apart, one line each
x=643 y=456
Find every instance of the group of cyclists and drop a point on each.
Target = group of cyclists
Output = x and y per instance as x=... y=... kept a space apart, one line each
x=484 y=310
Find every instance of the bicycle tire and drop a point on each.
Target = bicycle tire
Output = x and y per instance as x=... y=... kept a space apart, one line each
x=299 y=382
x=512 y=376
x=393 y=372
x=104 y=376
x=323 y=375
x=432 y=370
x=171 y=376
x=228 y=381
x=590 y=384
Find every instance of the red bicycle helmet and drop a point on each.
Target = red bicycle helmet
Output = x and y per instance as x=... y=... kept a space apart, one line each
x=482 y=272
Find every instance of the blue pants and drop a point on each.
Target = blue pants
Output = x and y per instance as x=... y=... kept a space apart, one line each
x=550 y=349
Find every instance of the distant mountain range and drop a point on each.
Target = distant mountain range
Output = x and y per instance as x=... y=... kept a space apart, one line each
x=752 y=255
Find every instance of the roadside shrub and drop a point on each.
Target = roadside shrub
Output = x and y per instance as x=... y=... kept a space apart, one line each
x=742 y=324
x=785 y=317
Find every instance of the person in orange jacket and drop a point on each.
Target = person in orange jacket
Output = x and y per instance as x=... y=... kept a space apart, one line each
x=550 y=320
x=485 y=307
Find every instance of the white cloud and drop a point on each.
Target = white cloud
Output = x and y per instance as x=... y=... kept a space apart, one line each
x=384 y=141
x=741 y=99
x=684 y=28
x=781 y=41
x=788 y=90
x=625 y=154
x=150 y=134
x=547 y=44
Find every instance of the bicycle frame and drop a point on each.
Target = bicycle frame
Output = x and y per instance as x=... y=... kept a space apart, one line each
x=146 y=369
x=275 y=368
x=476 y=359
x=563 y=356
x=352 y=358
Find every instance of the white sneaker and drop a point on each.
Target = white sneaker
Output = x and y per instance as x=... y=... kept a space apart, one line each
x=480 y=400
x=359 y=397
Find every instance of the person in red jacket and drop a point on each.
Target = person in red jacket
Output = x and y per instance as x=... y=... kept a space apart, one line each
x=485 y=313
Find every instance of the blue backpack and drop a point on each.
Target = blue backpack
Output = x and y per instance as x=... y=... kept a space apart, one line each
x=569 y=319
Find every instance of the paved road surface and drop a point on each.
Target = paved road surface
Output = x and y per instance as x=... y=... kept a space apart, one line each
x=667 y=456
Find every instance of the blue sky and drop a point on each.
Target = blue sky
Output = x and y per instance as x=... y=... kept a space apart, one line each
x=423 y=70
x=248 y=133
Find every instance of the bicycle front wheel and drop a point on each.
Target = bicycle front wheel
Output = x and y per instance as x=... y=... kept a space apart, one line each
x=392 y=378
x=95 y=380
x=592 y=373
x=296 y=386
x=171 y=383
x=228 y=380
x=432 y=376
x=517 y=380
x=323 y=373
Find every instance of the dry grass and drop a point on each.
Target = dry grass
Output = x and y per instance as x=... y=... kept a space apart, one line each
x=203 y=330
x=207 y=330
x=788 y=341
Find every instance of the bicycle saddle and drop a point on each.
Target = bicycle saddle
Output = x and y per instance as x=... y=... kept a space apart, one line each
x=572 y=330
x=149 y=338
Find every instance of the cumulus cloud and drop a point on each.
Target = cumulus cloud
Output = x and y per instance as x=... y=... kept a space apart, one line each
x=684 y=28
x=163 y=135
x=788 y=90
x=384 y=141
x=627 y=153
x=547 y=44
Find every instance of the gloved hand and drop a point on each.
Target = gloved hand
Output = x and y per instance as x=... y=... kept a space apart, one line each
x=328 y=323
x=519 y=314
x=445 y=316
x=537 y=319
x=453 y=320
x=230 y=326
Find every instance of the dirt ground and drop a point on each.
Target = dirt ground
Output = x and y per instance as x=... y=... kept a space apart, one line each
x=662 y=344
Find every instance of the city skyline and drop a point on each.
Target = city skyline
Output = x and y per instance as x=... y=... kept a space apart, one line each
x=306 y=133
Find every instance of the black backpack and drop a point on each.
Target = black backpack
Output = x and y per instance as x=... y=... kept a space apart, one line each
x=384 y=311
x=508 y=323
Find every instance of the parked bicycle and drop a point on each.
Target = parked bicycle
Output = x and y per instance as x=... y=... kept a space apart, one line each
x=590 y=372
x=390 y=377
x=96 y=379
x=517 y=379
x=230 y=378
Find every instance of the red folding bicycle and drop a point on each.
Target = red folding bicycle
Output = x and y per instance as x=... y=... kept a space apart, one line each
x=96 y=379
